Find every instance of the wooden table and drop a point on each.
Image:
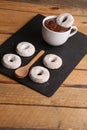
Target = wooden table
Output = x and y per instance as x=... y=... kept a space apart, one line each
x=21 y=107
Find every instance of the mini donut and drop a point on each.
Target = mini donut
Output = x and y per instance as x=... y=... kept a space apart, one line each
x=39 y=74
x=25 y=49
x=65 y=20
x=52 y=61
x=11 y=61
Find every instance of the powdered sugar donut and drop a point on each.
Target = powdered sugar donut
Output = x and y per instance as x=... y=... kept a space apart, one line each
x=11 y=61
x=39 y=74
x=65 y=20
x=25 y=49
x=52 y=61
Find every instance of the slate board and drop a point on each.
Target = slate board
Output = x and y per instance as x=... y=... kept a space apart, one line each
x=71 y=53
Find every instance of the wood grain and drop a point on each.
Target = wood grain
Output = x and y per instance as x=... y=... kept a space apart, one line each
x=50 y=118
x=47 y=8
x=11 y=21
x=4 y=37
x=22 y=107
x=71 y=96
x=15 y=15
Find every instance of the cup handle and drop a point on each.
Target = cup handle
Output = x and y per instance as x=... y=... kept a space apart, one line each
x=75 y=29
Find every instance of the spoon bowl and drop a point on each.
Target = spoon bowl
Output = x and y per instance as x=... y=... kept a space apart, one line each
x=23 y=71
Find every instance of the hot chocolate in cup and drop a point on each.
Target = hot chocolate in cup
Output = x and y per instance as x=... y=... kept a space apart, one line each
x=54 y=34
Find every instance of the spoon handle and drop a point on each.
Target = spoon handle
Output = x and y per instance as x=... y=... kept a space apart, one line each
x=35 y=59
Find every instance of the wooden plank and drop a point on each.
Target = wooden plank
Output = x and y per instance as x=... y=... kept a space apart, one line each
x=50 y=118
x=5 y=79
x=82 y=64
x=77 y=77
x=12 y=20
x=4 y=37
x=72 y=93
x=76 y=8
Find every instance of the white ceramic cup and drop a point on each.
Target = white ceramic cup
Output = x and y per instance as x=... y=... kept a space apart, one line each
x=56 y=38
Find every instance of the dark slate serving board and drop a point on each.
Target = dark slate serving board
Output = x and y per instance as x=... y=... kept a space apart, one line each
x=71 y=53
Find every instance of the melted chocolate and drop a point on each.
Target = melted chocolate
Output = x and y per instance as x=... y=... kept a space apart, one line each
x=52 y=25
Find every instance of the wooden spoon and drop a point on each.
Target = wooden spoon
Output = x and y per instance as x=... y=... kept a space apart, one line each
x=23 y=71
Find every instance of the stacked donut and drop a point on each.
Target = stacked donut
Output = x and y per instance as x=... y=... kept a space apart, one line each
x=61 y=23
x=65 y=20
